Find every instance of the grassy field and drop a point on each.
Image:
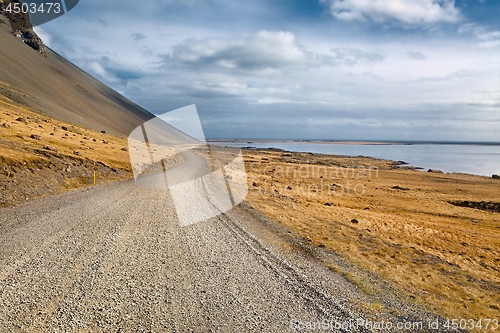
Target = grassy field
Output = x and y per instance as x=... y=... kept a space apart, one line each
x=400 y=224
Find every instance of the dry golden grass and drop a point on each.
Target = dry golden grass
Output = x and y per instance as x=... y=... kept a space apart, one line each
x=42 y=156
x=16 y=140
x=396 y=223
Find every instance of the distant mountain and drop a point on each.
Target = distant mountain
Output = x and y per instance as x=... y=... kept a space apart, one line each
x=37 y=77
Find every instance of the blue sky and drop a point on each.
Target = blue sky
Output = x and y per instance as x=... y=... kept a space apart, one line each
x=299 y=69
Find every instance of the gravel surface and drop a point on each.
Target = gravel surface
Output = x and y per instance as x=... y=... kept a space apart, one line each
x=114 y=258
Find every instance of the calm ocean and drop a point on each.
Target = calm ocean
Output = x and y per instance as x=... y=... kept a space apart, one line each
x=469 y=158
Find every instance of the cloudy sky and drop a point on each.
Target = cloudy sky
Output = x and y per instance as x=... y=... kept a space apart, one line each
x=299 y=69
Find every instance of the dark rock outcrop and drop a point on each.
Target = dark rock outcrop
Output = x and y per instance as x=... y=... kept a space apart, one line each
x=21 y=27
x=483 y=205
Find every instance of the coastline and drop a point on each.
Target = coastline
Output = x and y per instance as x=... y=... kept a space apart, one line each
x=360 y=142
x=449 y=158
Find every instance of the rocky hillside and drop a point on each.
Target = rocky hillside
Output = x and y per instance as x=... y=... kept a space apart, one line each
x=55 y=87
x=58 y=124
x=21 y=27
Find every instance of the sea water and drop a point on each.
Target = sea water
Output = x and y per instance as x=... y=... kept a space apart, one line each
x=479 y=159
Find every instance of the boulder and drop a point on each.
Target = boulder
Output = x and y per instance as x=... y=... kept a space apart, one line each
x=397 y=187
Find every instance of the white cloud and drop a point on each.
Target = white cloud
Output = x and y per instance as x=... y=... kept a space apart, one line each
x=490 y=44
x=489 y=35
x=488 y=38
x=413 y=12
x=467 y=27
x=44 y=35
x=352 y=56
x=136 y=36
x=263 y=53
x=416 y=55
x=98 y=69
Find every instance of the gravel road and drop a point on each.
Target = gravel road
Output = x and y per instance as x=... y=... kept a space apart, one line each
x=114 y=258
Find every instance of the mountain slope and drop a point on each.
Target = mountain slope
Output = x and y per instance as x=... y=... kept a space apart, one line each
x=52 y=119
x=53 y=86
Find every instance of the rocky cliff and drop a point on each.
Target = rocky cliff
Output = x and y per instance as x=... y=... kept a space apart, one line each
x=20 y=25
